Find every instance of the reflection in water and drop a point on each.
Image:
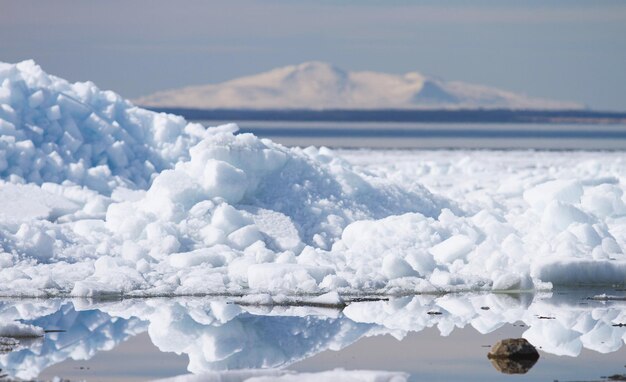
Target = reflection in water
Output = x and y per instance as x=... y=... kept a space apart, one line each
x=513 y=356
x=290 y=376
x=85 y=334
x=219 y=335
x=513 y=365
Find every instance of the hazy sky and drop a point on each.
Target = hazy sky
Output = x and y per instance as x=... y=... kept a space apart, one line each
x=568 y=50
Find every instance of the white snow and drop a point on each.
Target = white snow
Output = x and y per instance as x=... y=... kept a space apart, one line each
x=319 y=85
x=103 y=199
x=453 y=248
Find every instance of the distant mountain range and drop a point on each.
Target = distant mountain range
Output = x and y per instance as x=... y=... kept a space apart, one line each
x=322 y=86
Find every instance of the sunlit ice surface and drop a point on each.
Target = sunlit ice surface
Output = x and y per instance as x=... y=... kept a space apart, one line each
x=104 y=199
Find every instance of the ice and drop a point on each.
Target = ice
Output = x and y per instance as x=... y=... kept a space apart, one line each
x=604 y=200
x=558 y=216
x=330 y=298
x=540 y=196
x=512 y=282
x=285 y=277
x=24 y=203
x=451 y=249
x=104 y=199
x=278 y=227
x=57 y=131
x=35 y=242
x=394 y=267
x=581 y=271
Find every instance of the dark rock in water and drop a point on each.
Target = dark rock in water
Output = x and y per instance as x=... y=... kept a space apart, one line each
x=513 y=348
x=513 y=366
x=513 y=356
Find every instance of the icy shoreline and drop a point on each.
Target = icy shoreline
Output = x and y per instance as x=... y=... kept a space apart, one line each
x=103 y=199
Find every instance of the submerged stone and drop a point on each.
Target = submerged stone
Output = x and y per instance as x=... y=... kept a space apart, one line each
x=513 y=356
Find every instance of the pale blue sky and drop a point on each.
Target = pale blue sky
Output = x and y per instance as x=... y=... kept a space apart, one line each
x=568 y=50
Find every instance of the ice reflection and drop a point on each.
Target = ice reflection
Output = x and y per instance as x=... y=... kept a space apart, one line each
x=220 y=335
x=84 y=333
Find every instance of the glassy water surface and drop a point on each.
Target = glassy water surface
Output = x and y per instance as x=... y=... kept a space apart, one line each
x=416 y=338
x=561 y=136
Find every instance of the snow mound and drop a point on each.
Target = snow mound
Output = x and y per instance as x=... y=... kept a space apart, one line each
x=54 y=131
x=104 y=199
x=122 y=200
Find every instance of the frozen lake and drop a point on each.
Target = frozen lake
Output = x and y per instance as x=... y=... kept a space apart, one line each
x=415 y=338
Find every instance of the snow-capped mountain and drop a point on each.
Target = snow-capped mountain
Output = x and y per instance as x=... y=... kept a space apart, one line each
x=319 y=85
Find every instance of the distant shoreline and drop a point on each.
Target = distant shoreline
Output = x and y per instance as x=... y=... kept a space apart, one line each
x=396 y=115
